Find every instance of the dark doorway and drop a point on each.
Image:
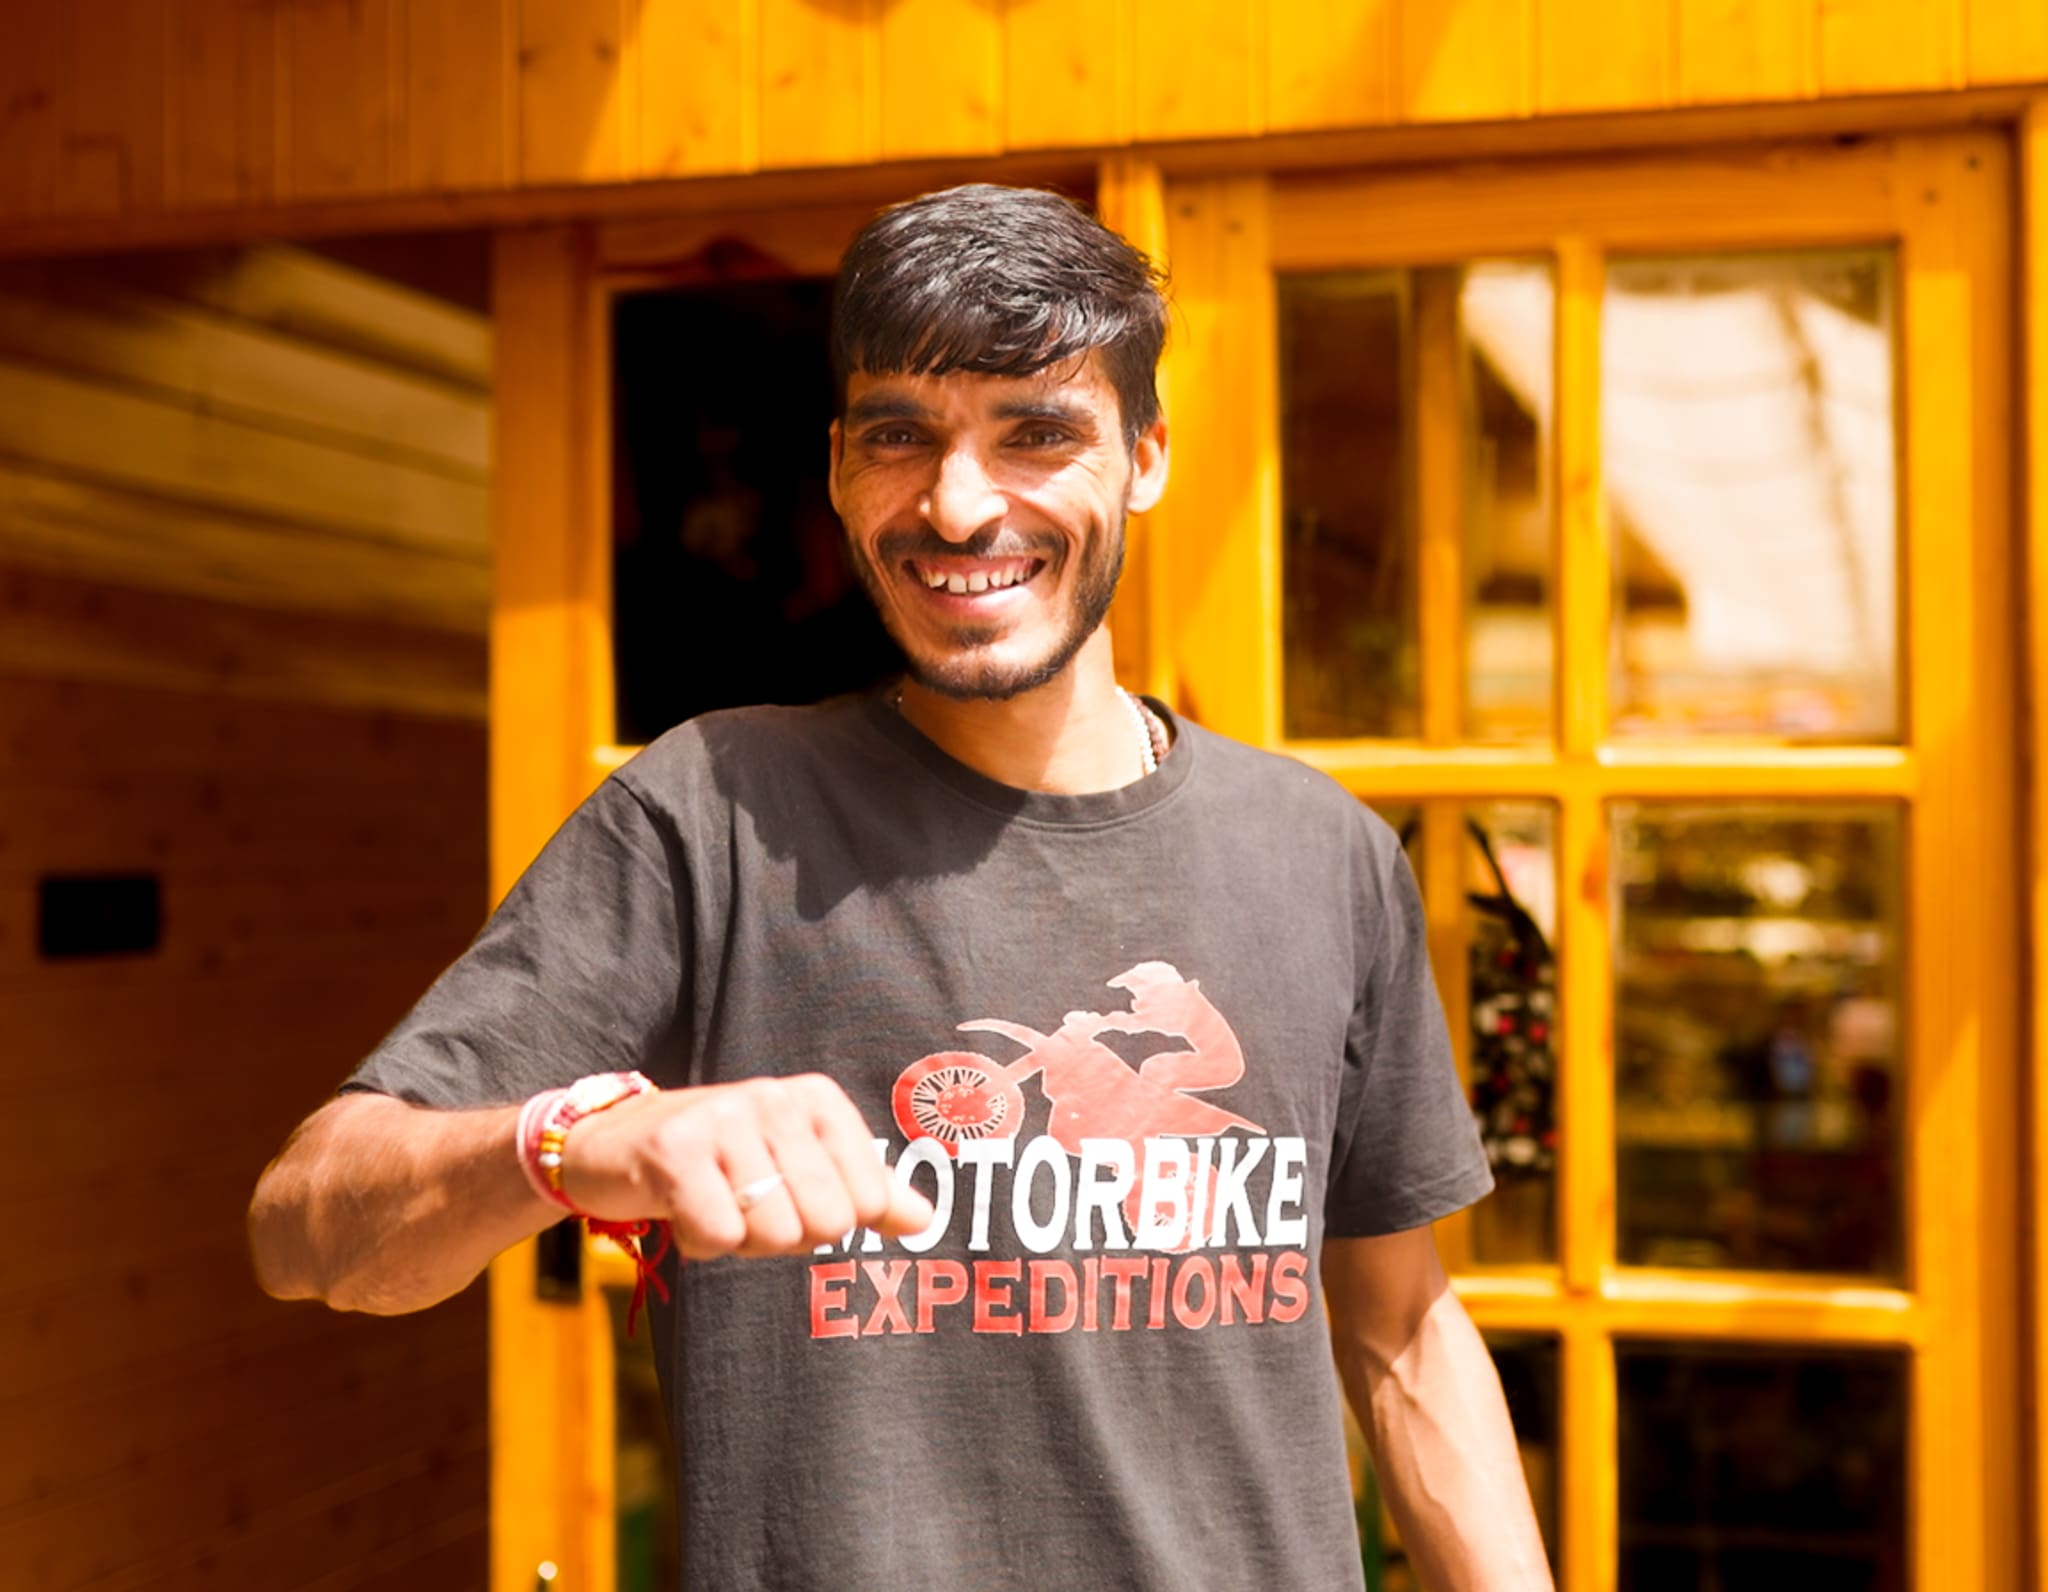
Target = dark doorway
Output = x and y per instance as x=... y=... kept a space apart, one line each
x=730 y=579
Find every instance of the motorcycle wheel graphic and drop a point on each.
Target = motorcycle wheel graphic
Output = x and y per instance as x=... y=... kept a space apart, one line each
x=956 y=1095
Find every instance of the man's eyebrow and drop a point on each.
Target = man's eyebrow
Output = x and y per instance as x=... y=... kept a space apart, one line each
x=1044 y=409
x=863 y=411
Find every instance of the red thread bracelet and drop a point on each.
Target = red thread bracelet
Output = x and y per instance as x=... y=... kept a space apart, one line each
x=542 y=1133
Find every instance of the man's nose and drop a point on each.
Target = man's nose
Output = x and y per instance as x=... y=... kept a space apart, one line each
x=962 y=501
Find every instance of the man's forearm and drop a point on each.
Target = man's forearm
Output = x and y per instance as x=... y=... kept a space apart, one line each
x=1445 y=1455
x=380 y=1206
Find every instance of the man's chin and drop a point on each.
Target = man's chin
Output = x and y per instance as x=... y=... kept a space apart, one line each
x=983 y=679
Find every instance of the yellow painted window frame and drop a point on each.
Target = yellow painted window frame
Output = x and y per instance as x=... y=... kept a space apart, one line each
x=1946 y=202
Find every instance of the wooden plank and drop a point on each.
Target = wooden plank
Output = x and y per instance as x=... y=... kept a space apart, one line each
x=1732 y=51
x=1130 y=199
x=234 y=927
x=89 y=533
x=1592 y=55
x=344 y=1515
x=550 y=706
x=1736 y=198
x=1200 y=72
x=1963 y=1084
x=289 y=290
x=1225 y=495
x=222 y=131
x=796 y=240
x=203 y=824
x=2007 y=41
x=57 y=629
x=1440 y=487
x=698 y=66
x=458 y=130
x=65 y=730
x=112 y=156
x=33 y=60
x=61 y=424
x=939 y=78
x=1066 y=75
x=1464 y=60
x=567 y=90
x=2033 y=375
x=1329 y=64
x=1875 y=46
x=817 y=87
x=208 y=361
x=337 y=93
x=280 y=1438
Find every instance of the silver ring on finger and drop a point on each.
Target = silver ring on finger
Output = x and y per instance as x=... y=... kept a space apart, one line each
x=753 y=1193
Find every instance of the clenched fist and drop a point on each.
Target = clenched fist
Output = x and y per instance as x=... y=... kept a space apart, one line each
x=765 y=1166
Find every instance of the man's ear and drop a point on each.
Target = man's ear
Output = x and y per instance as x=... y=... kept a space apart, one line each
x=1149 y=467
x=832 y=475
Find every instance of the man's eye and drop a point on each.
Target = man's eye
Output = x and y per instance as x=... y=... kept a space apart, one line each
x=1044 y=437
x=893 y=437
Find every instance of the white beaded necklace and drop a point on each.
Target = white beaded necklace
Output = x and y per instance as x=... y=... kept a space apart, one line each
x=1148 y=750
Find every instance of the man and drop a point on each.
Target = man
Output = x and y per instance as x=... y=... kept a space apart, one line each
x=1021 y=1049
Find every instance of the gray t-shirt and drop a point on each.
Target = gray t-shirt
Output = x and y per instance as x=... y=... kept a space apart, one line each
x=1144 y=1048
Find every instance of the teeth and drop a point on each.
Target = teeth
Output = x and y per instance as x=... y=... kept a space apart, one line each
x=979 y=581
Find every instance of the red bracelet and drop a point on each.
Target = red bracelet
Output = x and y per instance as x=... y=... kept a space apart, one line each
x=543 y=1131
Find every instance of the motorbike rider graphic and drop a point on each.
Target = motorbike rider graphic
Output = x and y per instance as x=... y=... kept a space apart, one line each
x=1093 y=1092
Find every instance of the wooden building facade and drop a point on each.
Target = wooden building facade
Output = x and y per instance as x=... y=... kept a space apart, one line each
x=1729 y=762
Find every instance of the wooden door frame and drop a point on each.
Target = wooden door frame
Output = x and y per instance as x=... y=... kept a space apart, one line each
x=1946 y=200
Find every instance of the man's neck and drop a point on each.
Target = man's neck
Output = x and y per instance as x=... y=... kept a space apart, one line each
x=1072 y=736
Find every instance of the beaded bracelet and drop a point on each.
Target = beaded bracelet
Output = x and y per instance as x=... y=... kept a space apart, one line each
x=543 y=1131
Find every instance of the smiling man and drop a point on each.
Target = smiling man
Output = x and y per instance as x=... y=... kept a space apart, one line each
x=1020 y=1067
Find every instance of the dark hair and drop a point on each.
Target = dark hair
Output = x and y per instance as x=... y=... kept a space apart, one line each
x=1001 y=282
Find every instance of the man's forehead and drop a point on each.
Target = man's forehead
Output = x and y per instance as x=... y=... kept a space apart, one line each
x=1070 y=384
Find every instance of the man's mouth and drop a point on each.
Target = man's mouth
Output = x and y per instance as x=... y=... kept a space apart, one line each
x=962 y=577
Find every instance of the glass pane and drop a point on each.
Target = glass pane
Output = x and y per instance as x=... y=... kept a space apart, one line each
x=1506 y=316
x=1512 y=1046
x=1748 y=446
x=1765 y=1467
x=1527 y=1363
x=1348 y=579
x=1758 y=994
x=645 y=1503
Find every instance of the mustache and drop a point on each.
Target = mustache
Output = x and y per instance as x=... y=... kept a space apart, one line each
x=896 y=547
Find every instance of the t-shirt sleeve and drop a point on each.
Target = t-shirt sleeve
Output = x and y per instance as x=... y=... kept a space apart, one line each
x=580 y=970
x=1407 y=1150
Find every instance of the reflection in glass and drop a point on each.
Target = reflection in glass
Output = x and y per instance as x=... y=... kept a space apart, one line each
x=1506 y=316
x=1527 y=1363
x=1348 y=578
x=1409 y=397
x=1747 y=445
x=1511 y=1062
x=644 y=1503
x=1757 y=1000
x=1761 y=1467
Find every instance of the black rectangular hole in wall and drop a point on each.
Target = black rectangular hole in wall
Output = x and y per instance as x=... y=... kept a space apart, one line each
x=98 y=915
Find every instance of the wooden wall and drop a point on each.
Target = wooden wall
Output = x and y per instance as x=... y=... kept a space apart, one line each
x=130 y=107
x=181 y=694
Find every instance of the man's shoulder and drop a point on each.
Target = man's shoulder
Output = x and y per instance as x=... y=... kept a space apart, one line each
x=1272 y=789
x=718 y=755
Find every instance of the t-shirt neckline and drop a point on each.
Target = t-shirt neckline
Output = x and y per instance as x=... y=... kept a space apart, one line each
x=1089 y=809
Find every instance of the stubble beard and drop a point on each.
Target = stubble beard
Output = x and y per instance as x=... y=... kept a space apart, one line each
x=965 y=673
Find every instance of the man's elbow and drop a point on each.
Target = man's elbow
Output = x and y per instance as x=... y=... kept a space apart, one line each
x=276 y=1258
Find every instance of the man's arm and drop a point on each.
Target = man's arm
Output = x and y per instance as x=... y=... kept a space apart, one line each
x=1426 y=1393
x=377 y=1205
